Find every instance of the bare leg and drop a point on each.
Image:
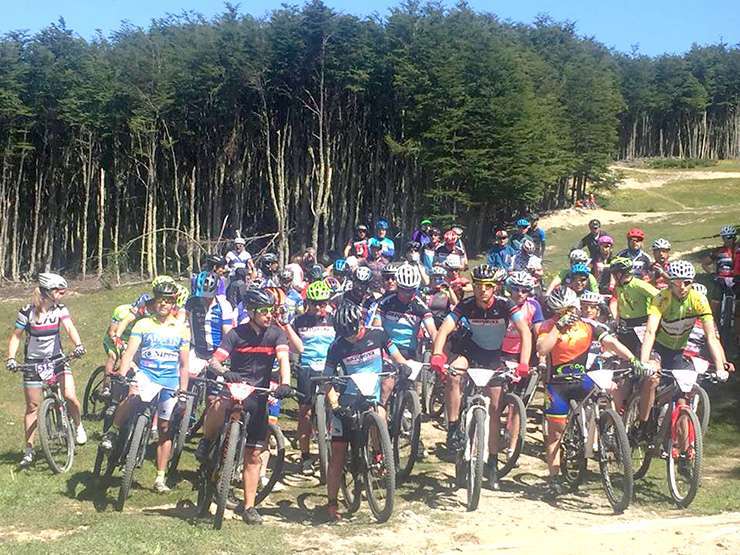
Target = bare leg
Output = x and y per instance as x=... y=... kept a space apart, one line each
x=164 y=445
x=69 y=393
x=336 y=467
x=304 y=428
x=251 y=474
x=33 y=399
x=494 y=412
x=555 y=427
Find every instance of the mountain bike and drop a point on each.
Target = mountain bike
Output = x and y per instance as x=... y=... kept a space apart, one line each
x=182 y=421
x=97 y=394
x=404 y=419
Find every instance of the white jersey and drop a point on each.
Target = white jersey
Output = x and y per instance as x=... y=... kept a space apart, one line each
x=233 y=260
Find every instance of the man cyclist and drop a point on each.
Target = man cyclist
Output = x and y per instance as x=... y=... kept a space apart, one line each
x=429 y=250
x=253 y=348
x=116 y=336
x=526 y=260
x=537 y=234
x=641 y=262
x=387 y=247
x=724 y=264
x=519 y=234
x=449 y=249
x=269 y=266
x=501 y=252
x=423 y=235
x=629 y=303
x=590 y=242
x=440 y=297
x=160 y=344
x=239 y=257
x=488 y=315
x=357 y=246
x=576 y=256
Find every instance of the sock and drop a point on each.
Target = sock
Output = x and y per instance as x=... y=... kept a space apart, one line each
x=160 y=476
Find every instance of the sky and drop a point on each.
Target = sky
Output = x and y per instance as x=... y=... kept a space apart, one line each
x=656 y=26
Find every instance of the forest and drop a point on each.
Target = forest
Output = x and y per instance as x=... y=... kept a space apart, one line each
x=138 y=151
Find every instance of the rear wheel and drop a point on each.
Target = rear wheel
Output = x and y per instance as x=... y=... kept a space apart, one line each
x=93 y=403
x=512 y=430
x=323 y=436
x=427 y=378
x=477 y=442
x=55 y=433
x=226 y=472
x=437 y=401
x=380 y=473
x=406 y=434
x=180 y=435
x=641 y=454
x=685 y=448
x=275 y=445
x=351 y=486
x=615 y=462
x=136 y=447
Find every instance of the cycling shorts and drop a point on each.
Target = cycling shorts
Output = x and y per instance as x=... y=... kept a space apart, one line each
x=305 y=386
x=560 y=394
x=670 y=359
x=110 y=347
x=475 y=355
x=631 y=340
x=31 y=378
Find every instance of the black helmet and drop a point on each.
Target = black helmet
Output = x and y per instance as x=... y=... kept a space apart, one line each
x=165 y=289
x=286 y=276
x=488 y=274
x=347 y=319
x=255 y=298
x=316 y=272
x=215 y=260
x=362 y=275
x=267 y=260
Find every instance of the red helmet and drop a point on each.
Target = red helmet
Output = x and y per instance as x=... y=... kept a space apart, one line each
x=450 y=237
x=636 y=232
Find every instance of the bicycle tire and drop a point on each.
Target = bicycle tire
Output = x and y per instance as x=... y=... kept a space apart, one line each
x=132 y=459
x=617 y=443
x=180 y=437
x=437 y=407
x=702 y=407
x=226 y=473
x=531 y=389
x=640 y=454
x=383 y=468
x=515 y=405
x=409 y=401
x=427 y=384
x=351 y=486
x=672 y=472
x=89 y=404
x=205 y=491
x=323 y=437
x=277 y=461
x=55 y=428
x=572 y=451
x=477 y=437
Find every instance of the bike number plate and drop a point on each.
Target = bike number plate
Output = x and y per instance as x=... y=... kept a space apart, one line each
x=240 y=391
x=45 y=370
x=366 y=383
x=480 y=376
x=415 y=369
x=602 y=378
x=685 y=379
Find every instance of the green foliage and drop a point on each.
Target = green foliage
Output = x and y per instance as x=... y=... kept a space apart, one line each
x=682 y=163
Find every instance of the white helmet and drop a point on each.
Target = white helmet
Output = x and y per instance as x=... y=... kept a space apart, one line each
x=563 y=297
x=661 y=244
x=700 y=288
x=578 y=255
x=681 y=269
x=240 y=241
x=52 y=281
x=728 y=231
x=520 y=279
x=528 y=246
x=408 y=276
x=589 y=296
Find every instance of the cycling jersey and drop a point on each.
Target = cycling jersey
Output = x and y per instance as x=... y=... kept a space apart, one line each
x=42 y=331
x=207 y=322
x=359 y=248
x=538 y=236
x=517 y=238
x=420 y=237
x=252 y=353
x=724 y=262
x=427 y=255
x=401 y=321
x=317 y=335
x=387 y=248
x=500 y=256
x=159 y=349
x=439 y=304
x=121 y=312
x=602 y=273
x=234 y=259
x=444 y=252
x=696 y=345
x=641 y=262
x=591 y=243
x=531 y=311
x=487 y=326
x=677 y=317
x=633 y=301
x=593 y=285
x=235 y=291
x=293 y=305
x=569 y=356
x=525 y=262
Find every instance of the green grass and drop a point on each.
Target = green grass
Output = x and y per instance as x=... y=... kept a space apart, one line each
x=677 y=195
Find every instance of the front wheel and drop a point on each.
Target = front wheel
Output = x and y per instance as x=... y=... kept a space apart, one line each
x=476 y=437
x=512 y=430
x=93 y=403
x=615 y=461
x=685 y=449
x=406 y=434
x=701 y=406
x=180 y=436
x=226 y=472
x=641 y=453
x=572 y=451
x=136 y=446
x=323 y=436
x=55 y=433
x=380 y=473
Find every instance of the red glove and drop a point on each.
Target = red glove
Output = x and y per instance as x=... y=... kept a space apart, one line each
x=437 y=362
x=522 y=370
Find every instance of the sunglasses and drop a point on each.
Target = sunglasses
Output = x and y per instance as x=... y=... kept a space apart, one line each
x=60 y=292
x=389 y=278
x=502 y=238
x=580 y=280
x=264 y=310
x=169 y=300
x=519 y=289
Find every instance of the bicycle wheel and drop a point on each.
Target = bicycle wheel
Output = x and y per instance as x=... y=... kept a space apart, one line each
x=477 y=440
x=226 y=472
x=275 y=444
x=323 y=436
x=380 y=472
x=180 y=427
x=512 y=430
x=684 y=462
x=351 y=486
x=132 y=458
x=531 y=389
x=93 y=404
x=572 y=453
x=437 y=401
x=427 y=378
x=406 y=434
x=702 y=407
x=205 y=490
x=615 y=461
x=55 y=433
x=641 y=454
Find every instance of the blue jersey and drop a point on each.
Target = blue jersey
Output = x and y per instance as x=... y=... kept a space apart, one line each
x=160 y=347
x=317 y=335
x=401 y=321
x=487 y=326
x=207 y=322
x=500 y=257
x=293 y=304
x=388 y=248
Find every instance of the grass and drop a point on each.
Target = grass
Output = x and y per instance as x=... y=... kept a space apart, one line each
x=678 y=195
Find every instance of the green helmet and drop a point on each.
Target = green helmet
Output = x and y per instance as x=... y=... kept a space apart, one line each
x=621 y=264
x=318 y=291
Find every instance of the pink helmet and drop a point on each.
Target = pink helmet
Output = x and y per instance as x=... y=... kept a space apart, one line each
x=605 y=240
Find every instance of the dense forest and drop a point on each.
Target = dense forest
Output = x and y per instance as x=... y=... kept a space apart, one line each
x=138 y=151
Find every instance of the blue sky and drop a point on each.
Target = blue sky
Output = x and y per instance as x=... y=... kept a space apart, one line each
x=657 y=26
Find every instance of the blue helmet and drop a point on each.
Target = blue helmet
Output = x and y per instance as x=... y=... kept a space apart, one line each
x=522 y=222
x=205 y=285
x=579 y=269
x=142 y=300
x=381 y=224
x=340 y=266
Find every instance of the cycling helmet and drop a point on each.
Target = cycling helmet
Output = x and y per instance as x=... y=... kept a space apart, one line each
x=578 y=256
x=699 y=288
x=605 y=240
x=450 y=237
x=453 y=262
x=522 y=222
x=457 y=229
x=590 y=297
x=142 y=300
x=340 y=267
x=562 y=298
x=267 y=260
x=621 y=264
x=390 y=269
x=47 y=280
x=528 y=246
x=413 y=246
x=361 y=227
x=362 y=275
x=286 y=276
x=381 y=224
x=435 y=231
x=520 y=279
x=594 y=223
x=425 y=221
x=318 y=291
x=256 y=298
x=347 y=319
x=636 y=232
x=182 y=295
x=438 y=272
x=728 y=231
x=408 y=276
x=240 y=241
x=215 y=260
x=681 y=269
x=485 y=273
x=161 y=279
x=661 y=244
x=164 y=287
x=205 y=285
x=316 y=272
x=579 y=269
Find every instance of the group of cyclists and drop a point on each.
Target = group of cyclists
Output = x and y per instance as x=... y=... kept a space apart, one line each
x=245 y=319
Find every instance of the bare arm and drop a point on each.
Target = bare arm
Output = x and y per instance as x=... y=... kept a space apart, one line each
x=715 y=347
x=612 y=344
x=294 y=340
x=447 y=327
x=284 y=364
x=184 y=369
x=127 y=358
x=526 y=336
x=649 y=340
x=71 y=330
x=14 y=342
x=431 y=328
x=553 y=284
x=546 y=342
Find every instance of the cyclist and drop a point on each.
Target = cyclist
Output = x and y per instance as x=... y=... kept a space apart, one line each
x=537 y=234
x=217 y=264
x=390 y=284
x=519 y=234
x=356 y=349
x=413 y=257
x=315 y=332
x=357 y=246
x=449 y=249
x=160 y=344
x=239 y=257
x=590 y=242
x=458 y=230
x=42 y=320
x=520 y=286
x=387 y=248
x=237 y=284
x=629 y=303
x=293 y=299
x=671 y=317
x=600 y=264
x=724 y=264
x=576 y=256
x=501 y=253
x=253 y=348
x=423 y=234
x=458 y=283
x=269 y=265
x=113 y=343
x=592 y=307
x=526 y=260
x=580 y=279
x=487 y=315
x=658 y=273
x=641 y=262
x=696 y=346
x=429 y=250
x=567 y=339
x=341 y=271
x=440 y=297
